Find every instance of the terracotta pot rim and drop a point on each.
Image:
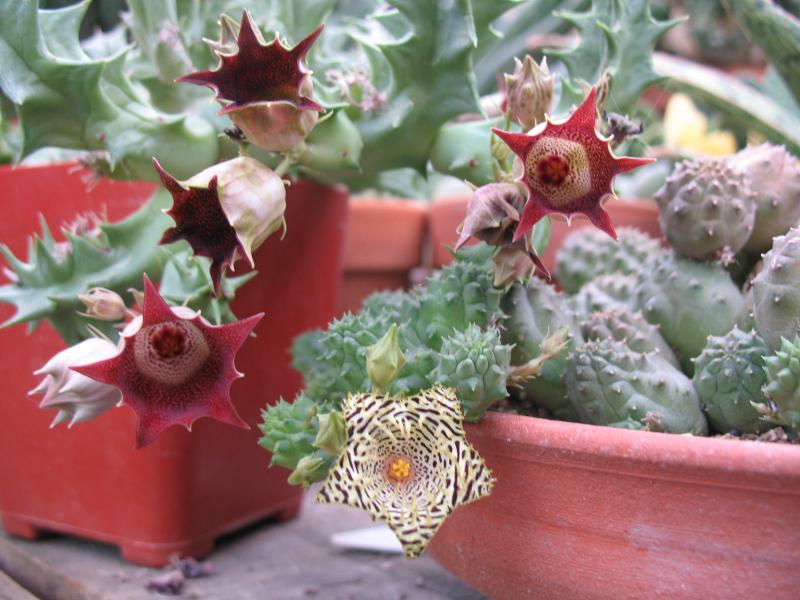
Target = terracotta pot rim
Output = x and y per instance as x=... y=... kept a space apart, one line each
x=522 y=436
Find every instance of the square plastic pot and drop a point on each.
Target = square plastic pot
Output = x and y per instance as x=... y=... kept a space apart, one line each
x=180 y=493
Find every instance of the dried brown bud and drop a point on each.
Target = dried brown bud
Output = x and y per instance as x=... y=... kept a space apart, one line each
x=529 y=92
x=492 y=214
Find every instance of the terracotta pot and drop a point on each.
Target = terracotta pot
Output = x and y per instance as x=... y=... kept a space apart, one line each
x=582 y=511
x=185 y=489
x=448 y=213
x=383 y=244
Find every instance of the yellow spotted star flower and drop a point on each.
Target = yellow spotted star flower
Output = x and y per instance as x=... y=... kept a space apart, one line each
x=406 y=462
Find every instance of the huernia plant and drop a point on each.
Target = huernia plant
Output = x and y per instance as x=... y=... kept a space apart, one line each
x=380 y=419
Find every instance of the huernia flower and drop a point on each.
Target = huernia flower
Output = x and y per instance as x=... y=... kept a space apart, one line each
x=76 y=397
x=407 y=463
x=173 y=367
x=264 y=88
x=568 y=168
x=226 y=211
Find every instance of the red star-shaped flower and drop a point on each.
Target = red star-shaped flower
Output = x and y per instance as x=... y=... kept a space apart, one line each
x=200 y=220
x=174 y=367
x=568 y=168
x=259 y=72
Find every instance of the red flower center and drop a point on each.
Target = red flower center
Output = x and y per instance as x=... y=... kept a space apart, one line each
x=170 y=352
x=169 y=341
x=552 y=170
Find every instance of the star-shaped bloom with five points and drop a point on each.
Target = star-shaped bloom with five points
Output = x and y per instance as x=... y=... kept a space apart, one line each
x=406 y=462
x=568 y=168
x=174 y=367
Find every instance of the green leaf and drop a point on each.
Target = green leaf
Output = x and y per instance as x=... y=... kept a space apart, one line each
x=48 y=284
x=421 y=56
x=777 y=32
x=744 y=105
x=66 y=99
x=615 y=37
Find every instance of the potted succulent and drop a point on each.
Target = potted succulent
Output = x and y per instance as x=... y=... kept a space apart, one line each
x=166 y=348
x=601 y=467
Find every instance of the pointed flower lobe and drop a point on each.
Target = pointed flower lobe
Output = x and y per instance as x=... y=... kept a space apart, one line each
x=567 y=168
x=174 y=367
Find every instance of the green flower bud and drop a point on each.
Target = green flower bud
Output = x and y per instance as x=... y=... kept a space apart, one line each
x=385 y=360
x=310 y=469
x=332 y=433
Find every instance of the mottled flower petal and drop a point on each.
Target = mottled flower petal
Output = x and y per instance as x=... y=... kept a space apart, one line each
x=174 y=367
x=407 y=463
x=568 y=168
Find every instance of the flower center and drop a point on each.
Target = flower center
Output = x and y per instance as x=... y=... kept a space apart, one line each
x=170 y=352
x=169 y=341
x=399 y=470
x=552 y=170
x=558 y=170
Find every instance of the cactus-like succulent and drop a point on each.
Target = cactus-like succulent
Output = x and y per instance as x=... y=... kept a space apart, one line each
x=587 y=253
x=775 y=179
x=606 y=292
x=707 y=208
x=783 y=384
x=534 y=312
x=624 y=325
x=689 y=300
x=48 y=285
x=344 y=355
x=776 y=291
x=458 y=295
x=289 y=429
x=476 y=365
x=728 y=377
x=291 y=432
x=610 y=384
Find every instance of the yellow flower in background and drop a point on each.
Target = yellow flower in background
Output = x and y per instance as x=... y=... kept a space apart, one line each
x=686 y=130
x=407 y=463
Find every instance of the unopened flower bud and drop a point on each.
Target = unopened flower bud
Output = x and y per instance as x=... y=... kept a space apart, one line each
x=77 y=397
x=103 y=304
x=529 y=92
x=310 y=469
x=511 y=264
x=385 y=360
x=332 y=433
x=493 y=212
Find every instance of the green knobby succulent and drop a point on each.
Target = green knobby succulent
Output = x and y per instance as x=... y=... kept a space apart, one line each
x=776 y=290
x=588 y=253
x=534 y=312
x=783 y=385
x=728 y=376
x=689 y=301
x=606 y=292
x=476 y=365
x=290 y=431
x=624 y=325
x=610 y=384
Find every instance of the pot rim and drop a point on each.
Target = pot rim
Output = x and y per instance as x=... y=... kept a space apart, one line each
x=735 y=463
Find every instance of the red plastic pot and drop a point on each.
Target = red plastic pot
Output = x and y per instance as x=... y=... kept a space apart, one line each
x=448 y=213
x=180 y=493
x=384 y=243
x=582 y=511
